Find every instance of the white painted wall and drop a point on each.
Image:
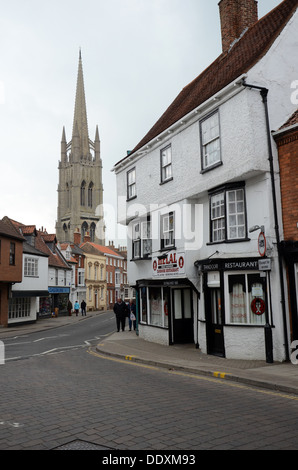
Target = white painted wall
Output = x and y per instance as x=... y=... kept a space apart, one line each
x=34 y=283
x=245 y=158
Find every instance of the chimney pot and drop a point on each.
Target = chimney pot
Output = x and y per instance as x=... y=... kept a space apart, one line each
x=87 y=237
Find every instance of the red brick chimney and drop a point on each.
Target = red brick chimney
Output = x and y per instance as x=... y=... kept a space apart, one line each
x=77 y=236
x=235 y=17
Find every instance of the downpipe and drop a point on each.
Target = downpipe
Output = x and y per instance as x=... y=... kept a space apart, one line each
x=268 y=330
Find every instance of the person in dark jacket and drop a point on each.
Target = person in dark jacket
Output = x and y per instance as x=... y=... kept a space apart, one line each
x=83 y=307
x=120 y=310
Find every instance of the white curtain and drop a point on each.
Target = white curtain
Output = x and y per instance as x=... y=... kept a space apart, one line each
x=238 y=304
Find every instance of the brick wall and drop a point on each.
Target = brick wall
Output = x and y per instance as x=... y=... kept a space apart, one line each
x=235 y=16
x=11 y=273
x=4 y=291
x=288 y=161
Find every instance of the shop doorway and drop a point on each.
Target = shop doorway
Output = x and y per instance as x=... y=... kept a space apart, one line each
x=182 y=316
x=214 y=319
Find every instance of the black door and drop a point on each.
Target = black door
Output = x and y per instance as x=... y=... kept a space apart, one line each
x=182 y=315
x=214 y=318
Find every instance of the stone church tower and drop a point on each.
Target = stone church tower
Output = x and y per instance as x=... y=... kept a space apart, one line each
x=80 y=189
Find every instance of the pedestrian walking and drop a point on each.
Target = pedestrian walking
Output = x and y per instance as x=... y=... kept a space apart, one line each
x=69 y=307
x=83 y=308
x=132 y=320
x=120 y=310
x=77 y=307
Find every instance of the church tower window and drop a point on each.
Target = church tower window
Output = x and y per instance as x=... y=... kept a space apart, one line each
x=90 y=195
x=83 y=190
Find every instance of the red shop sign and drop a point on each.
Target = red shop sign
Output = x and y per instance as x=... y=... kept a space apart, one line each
x=258 y=306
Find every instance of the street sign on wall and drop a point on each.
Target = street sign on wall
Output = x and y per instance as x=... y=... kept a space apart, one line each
x=264 y=264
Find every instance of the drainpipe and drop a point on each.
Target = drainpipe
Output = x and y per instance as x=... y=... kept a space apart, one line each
x=137 y=310
x=264 y=93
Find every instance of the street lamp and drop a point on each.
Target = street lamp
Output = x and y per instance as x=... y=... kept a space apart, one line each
x=257 y=227
x=267 y=327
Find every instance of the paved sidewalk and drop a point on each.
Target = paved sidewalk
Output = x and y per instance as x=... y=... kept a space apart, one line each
x=282 y=377
x=127 y=345
x=46 y=323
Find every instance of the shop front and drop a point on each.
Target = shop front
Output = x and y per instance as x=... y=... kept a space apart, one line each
x=235 y=307
x=57 y=298
x=167 y=302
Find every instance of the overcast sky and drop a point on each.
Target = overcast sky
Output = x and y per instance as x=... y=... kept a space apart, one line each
x=137 y=56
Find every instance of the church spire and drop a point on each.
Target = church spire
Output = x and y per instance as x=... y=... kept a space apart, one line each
x=80 y=122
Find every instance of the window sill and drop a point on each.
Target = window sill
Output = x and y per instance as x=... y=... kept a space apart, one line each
x=166 y=181
x=238 y=240
x=144 y=258
x=247 y=325
x=153 y=326
x=211 y=167
x=168 y=248
x=131 y=198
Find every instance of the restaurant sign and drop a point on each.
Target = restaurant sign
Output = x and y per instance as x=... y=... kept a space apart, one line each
x=228 y=264
x=170 y=264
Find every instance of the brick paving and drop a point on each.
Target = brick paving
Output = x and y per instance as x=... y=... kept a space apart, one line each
x=76 y=399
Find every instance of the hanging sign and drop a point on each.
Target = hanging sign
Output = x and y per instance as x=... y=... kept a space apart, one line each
x=262 y=244
x=258 y=306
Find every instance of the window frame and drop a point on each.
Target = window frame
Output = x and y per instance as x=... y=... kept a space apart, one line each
x=249 y=279
x=19 y=307
x=225 y=190
x=90 y=195
x=163 y=217
x=83 y=194
x=209 y=166
x=139 y=236
x=157 y=317
x=12 y=254
x=30 y=267
x=131 y=193
x=164 y=167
